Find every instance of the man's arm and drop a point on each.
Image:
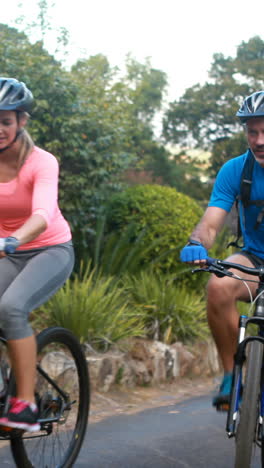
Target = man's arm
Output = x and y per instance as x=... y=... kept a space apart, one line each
x=209 y=226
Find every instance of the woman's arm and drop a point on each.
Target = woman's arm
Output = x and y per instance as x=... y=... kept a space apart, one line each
x=32 y=228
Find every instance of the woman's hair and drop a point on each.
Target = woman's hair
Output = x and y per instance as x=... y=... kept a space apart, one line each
x=26 y=143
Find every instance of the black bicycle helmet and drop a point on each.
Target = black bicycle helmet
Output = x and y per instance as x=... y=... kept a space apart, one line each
x=14 y=95
x=253 y=106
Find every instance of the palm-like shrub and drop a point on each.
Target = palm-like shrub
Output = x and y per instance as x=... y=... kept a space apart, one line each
x=171 y=313
x=95 y=309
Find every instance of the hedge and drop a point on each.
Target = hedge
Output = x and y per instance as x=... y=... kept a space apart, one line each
x=166 y=218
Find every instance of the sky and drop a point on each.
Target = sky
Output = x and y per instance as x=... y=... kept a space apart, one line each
x=180 y=37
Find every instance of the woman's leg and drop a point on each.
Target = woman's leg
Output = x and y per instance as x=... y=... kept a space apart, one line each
x=23 y=357
x=42 y=275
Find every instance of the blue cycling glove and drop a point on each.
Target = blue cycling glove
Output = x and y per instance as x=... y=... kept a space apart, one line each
x=193 y=251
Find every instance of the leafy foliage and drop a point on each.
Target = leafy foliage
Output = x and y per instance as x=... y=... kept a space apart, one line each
x=102 y=311
x=89 y=117
x=166 y=216
x=171 y=313
x=94 y=307
x=225 y=149
x=146 y=86
x=206 y=115
x=115 y=254
x=176 y=170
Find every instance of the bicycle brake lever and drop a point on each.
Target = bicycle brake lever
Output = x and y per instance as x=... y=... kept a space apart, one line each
x=197 y=270
x=220 y=272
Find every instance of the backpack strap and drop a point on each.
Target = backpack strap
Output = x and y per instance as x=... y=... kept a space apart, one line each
x=246 y=180
x=245 y=189
x=236 y=242
x=244 y=195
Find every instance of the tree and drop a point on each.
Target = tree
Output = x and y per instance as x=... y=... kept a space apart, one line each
x=206 y=115
x=87 y=118
x=146 y=88
x=87 y=135
x=225 y=149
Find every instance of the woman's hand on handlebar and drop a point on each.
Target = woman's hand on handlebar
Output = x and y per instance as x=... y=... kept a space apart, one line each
x=8 y=245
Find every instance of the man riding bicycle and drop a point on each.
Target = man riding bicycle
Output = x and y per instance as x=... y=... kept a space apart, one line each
x=223 y=293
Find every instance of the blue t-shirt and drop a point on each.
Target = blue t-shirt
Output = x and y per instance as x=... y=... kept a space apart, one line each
x=225 y=191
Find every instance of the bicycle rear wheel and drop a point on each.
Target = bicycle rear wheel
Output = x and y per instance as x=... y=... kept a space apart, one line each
x=58 y=443
x=247 y=426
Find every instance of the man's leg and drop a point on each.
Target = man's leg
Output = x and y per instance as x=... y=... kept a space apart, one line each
x=223 y=317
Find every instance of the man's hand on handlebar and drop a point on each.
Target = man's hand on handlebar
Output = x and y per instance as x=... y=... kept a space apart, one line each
x=194 y=252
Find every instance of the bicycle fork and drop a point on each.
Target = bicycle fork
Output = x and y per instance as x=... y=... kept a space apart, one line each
x=237 y=388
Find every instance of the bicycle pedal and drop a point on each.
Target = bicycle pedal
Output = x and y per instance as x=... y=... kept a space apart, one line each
x=13 y=430
x=223 y=407
x=6 y=429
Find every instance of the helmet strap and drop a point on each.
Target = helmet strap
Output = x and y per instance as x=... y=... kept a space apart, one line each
x=18 y=133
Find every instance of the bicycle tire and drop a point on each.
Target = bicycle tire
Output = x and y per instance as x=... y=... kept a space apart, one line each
x=5 y=377
x=261 y=439
x=247 y=425
x=61 y=447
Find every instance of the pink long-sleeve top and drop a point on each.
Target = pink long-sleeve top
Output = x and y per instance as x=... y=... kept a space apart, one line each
x=34 y=191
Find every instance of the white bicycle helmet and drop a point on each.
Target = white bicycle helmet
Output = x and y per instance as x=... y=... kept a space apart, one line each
x=253 y=106
x=14 y=95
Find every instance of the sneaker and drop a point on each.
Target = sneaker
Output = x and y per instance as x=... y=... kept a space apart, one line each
x=21 y=415
x=222 y=399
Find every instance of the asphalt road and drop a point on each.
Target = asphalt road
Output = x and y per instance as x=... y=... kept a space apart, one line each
x=186 y=435
x=183 y=435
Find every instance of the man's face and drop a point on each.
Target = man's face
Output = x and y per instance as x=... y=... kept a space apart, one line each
x=255 y=137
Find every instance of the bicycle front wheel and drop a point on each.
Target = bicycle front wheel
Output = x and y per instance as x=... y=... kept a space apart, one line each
x=248 y=415
x=62 y=395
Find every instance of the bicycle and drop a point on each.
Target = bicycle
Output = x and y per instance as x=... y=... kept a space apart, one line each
x=62 y=394
x=246 y=406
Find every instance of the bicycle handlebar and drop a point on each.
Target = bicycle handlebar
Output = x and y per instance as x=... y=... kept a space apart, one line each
x=221 y=267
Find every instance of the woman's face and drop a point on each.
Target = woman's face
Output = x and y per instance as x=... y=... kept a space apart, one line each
x=9 y=127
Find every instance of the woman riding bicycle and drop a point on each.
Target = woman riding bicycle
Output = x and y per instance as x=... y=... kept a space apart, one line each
x=36 y=252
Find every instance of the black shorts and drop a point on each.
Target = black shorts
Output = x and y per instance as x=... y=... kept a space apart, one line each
x=256 y=261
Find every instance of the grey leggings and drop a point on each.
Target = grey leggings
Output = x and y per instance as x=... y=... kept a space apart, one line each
x=27 y=279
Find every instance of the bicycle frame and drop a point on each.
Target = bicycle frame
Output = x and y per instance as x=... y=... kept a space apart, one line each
x=7 y=433
x=246 y=403
x=239 y=359
x=62 y=394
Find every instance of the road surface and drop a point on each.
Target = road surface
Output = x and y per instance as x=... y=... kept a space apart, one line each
x=189 y=434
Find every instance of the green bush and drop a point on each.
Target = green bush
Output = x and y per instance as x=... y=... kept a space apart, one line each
x=162 y=216
x=103 y=310
x=171 y=313
x=115 y=253
x=94 y=308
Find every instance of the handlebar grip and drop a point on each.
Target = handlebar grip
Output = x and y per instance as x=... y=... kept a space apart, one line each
x=210 y=260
